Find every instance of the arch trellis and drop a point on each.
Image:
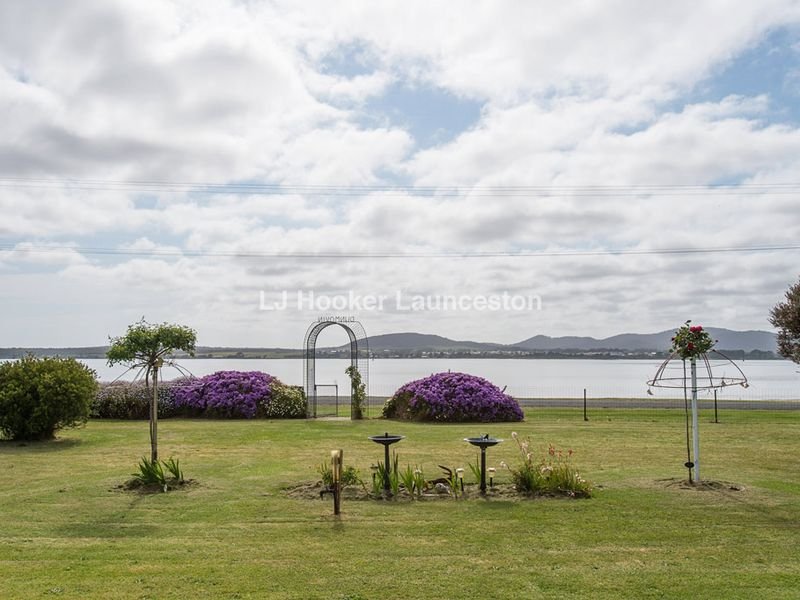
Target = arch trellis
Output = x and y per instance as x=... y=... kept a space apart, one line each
x=359 y=357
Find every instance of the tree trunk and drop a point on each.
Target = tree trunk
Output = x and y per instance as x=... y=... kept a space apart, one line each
x=154 y=418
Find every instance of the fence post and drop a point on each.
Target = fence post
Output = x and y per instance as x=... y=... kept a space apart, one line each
x=336 y=467
x=716 y=416
x=585 y=417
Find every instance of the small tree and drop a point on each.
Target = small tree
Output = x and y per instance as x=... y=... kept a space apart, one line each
x=146 y=346
x=785 y=316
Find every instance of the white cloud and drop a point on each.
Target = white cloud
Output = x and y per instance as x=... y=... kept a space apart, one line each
x=229 y=92
x=347 y=90
x=40 y=255
x=507 y=50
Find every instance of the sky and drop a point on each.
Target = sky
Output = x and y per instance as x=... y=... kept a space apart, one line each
x=490 y=171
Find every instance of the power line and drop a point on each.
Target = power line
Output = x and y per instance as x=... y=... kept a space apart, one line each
x=396 y=255
x=342 y=190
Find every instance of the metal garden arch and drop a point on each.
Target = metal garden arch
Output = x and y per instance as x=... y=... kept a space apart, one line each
x=359 y=356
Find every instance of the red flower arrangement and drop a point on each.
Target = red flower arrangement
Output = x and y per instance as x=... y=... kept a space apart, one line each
x=690 y=341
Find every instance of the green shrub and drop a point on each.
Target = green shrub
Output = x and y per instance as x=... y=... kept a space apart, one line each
x=41 y=395
x=285 y=402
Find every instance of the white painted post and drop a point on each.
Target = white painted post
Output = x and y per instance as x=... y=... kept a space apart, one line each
x=695 y=431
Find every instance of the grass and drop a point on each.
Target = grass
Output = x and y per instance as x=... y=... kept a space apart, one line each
x=66 y=530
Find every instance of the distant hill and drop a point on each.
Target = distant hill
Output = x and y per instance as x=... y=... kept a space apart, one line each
x=77 y=352
x=747 y=341
x=423 y=342
x=200 y=352
x=727 y=340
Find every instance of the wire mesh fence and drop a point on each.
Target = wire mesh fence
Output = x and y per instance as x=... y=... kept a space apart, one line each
x=541 y=386
x=573 y=403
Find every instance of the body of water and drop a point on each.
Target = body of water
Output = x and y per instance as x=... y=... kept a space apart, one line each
x=551 y=378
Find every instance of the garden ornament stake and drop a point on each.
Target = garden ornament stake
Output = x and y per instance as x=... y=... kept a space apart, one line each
x=337 y=457
x=693 y=343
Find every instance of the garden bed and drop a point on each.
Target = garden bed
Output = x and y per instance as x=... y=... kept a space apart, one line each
x=506 y=491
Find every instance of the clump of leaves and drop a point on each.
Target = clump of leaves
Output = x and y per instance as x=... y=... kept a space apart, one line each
x=552 y=474
x=475 y=467
x=413 y=481
x=377 y=482
x=173 y=467
x=350 y=475
x=451 y=480
x=165 y=474
x=379 y=475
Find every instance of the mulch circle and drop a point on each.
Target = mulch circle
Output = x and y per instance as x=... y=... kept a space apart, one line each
x=702 y=486
x=137 y=487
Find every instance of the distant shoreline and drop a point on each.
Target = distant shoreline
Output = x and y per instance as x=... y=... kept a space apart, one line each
x=759 y=345
x=732 y=354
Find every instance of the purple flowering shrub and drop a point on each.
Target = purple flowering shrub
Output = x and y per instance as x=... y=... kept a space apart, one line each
x=452 y=398
x=225 y=394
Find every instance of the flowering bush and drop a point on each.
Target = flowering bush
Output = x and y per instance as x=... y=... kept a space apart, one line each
x=231 y=394
x=225 y=394
x=691 y=341
x=131 y=400
x=552 y=474
x=452 y=397
x=285 y=402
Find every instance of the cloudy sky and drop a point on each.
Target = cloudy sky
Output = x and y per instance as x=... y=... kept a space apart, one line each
x=190 y=161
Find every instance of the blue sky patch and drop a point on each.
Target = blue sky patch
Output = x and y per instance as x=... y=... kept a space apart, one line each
x=350 y=60
x=772 y=67
x=432 y=115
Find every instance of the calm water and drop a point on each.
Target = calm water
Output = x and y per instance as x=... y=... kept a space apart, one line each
x=769 y=379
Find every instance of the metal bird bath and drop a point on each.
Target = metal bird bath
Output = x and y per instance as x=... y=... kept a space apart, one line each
x=483 y=443
x=387 y=440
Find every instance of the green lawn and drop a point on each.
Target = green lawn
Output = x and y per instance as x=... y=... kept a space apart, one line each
x=66 y=531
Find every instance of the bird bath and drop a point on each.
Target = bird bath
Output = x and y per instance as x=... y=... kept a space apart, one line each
x=387 y=440
x=483 y=443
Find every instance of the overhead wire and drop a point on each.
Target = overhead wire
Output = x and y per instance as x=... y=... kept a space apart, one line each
x=334 y=190
x=381 y=190
x=244 y=254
